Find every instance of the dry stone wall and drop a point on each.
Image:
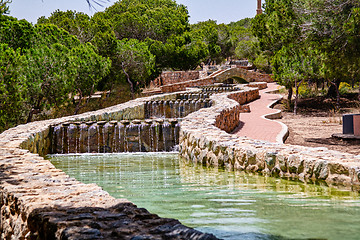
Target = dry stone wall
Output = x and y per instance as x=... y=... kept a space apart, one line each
x=183 y=85
x=38 y=201
x=205 y=140
x=219 y=76
x=172 y=77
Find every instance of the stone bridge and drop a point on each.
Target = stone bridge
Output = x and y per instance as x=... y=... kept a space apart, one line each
x=219 y=76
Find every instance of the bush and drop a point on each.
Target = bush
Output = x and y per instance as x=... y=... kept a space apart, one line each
x=344 y=88
x=305 y=91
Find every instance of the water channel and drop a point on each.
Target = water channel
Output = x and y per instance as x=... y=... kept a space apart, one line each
x=231 y=205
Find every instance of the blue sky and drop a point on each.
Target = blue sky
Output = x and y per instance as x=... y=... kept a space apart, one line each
x=224 y=11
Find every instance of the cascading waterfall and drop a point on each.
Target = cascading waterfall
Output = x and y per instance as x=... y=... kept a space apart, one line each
x=114 y=140
x=56 y=133
x=152 y=135
x=126 y=142
x=139 y=135
x=98 y=137
x=82 y=130
x=121 y=141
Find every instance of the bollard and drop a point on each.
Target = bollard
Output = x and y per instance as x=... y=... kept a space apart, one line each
x=348 y=124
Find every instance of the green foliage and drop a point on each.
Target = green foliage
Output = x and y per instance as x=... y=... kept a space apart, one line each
x=11 y=88
x=179 y=52
x=40 y=67
x=91 y=68
x=245 y=46
x=141 y=19
x=76 y=23
x=49 y=74
x=247 y=49
x=304 y=90
x=262 y=62
x=4 y=8
x=344 y=88
x=207 y=32
x=309 y=40
x=16 y=33
x=48 y=34
x=161 y=24
x=136 y=62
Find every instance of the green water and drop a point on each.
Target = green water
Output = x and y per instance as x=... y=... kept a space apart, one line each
x=231 y=205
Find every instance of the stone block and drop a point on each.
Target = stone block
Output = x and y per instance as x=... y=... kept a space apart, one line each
x=321 y=170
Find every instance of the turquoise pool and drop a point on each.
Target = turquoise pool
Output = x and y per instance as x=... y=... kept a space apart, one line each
x=231 y=205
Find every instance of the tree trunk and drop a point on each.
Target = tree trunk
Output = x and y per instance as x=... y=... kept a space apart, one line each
x=296 y=95
x=78 y=105
x=129 y=81
x=333 y=89
x=337 y=98
x=34 y=110
x=290 y=93
x=31 y=113
x=334 y=92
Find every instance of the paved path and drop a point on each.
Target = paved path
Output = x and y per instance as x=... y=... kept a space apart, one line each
x=255 y=126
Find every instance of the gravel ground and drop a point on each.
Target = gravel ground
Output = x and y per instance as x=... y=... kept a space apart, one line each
x=314 y=129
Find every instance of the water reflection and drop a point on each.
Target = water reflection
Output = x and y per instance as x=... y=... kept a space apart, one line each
x=232 y=205
x=251 y=181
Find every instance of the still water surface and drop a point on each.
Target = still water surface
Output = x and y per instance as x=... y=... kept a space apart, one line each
x=231 y=205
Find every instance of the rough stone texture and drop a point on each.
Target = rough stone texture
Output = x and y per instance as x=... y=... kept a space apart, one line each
x=183 y=85
x=38 y=201
x=228 y=113
x=171 y=77
x=248 y=75
x=218 y=148
x=218 y=76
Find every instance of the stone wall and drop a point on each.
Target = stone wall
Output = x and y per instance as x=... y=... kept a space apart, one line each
x=248 y=75
x=171 y=77
x=38 y=201
x=218 y=77
x=229 y=117
x=217 y=148
x=183 y=85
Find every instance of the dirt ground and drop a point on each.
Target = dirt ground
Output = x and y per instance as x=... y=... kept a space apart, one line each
x=317 y=121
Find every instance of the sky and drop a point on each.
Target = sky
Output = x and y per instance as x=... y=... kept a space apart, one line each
x=223 y=11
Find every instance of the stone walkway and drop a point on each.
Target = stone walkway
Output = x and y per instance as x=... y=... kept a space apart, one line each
x=255 y=126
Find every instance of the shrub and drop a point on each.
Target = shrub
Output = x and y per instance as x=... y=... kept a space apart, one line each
x=344 y=88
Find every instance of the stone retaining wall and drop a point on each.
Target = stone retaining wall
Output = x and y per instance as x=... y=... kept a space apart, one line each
x=172 y=77
x=201 y=141
x=183 y=85
x=38 y=201
x=217 y=77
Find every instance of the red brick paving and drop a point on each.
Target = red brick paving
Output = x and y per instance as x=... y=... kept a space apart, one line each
x=253 y=125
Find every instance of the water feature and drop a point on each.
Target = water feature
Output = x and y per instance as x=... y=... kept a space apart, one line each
x=179 y=108
x=124 y=136
x=232 y=205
